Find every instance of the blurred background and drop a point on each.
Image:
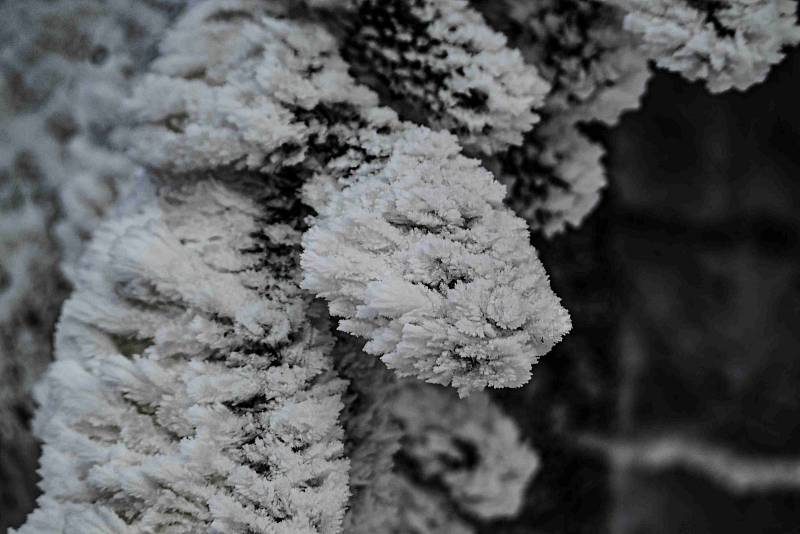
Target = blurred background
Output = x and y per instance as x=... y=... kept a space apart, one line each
x=673 y=405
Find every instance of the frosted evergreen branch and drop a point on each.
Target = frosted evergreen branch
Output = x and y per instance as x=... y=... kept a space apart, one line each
x=579 y=47
x=729 y=44
x=418 y=255
x=596 y=73
x=190 y=391
x=236 y=85
x=442 y=59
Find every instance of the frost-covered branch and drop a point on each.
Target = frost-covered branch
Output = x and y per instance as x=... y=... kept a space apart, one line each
x=418 y=255
x=191 y=392
x=596 y=74
x=595 y=70
x=235 y=85
x=442 y=59
x=730 y=44
x=286 y=78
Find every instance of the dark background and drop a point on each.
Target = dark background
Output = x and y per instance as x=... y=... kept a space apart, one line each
x=674 y=404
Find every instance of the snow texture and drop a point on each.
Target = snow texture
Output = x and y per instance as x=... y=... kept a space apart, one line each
x=419 y=256
x=236 y=85
x=440 y=57
x=190 y=390
x=579 y=47
x=729 y=44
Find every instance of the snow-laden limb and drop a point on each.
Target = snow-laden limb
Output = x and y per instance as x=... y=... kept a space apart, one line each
x=419 y=256
x=191 y=392
x=336 y=130
x=372 y=439
x=236 y=85
x=555 y=179
x=595 y=70
x=596 y=73
x=730 y=44
x=441 y=58
x=467 y=446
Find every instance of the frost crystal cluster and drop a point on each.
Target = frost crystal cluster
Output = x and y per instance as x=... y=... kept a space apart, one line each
x=442 y=57
x=308 y=229
x=727 y=43
x=190 y=390
x=420 y=257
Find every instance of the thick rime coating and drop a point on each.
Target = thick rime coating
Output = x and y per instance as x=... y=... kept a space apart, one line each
x=474 y=452
x=579 y=47
x=349 y=141
x=191 y=392
x=554 y=179
x=596 y=73
x=420 y=257
x=726 y=43
x=441 y=58
x=236 y=85
x=372 y=439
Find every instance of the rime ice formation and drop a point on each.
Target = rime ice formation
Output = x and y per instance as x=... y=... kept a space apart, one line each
x=197 y=387
x=596 y=73
x=337 y=131
x=440 y=57
x=730 y=44
x=236 y=86
x=64 y=66
x=578 y=46
x=419 y=256
x=298 y=86
x=190 y=390
x=474 y=451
